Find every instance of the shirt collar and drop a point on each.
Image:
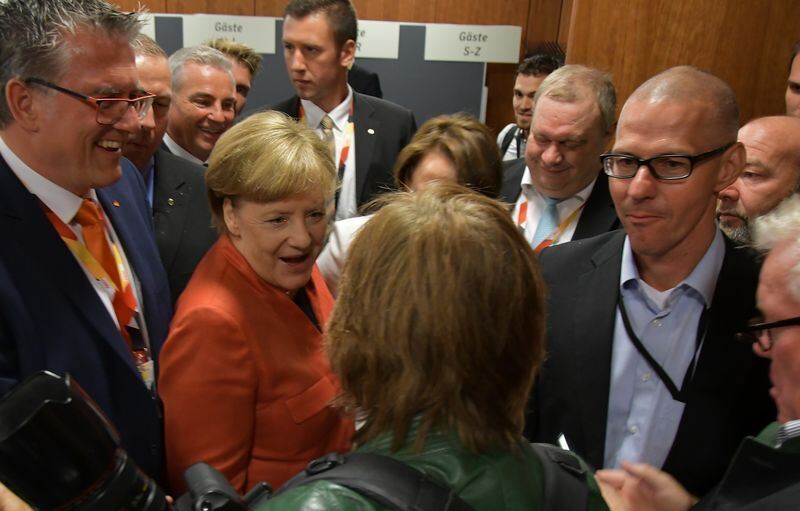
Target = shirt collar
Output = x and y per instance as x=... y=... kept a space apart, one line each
x=338 y=115
x=177 y=150
x=788 y=431
x=703 y=277
x=60 y=201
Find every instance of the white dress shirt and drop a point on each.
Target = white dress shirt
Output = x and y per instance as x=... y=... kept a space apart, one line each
x=177 y=150
x=347 y=206
x=536 y=206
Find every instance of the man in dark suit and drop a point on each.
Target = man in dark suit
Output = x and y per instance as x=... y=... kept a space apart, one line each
x=558 y=191
x=765 y=471
x=642 y=364
x=175 y=186
x=365 y=133
x=86 y=293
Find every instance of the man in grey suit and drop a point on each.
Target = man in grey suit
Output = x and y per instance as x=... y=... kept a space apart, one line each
x=558 y=191
x=642 y=361
x=175 y=186
x=365 y=133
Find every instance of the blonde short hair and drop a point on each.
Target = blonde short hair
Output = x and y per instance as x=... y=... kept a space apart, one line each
x=268 y=157
x=440 y=316
x=574 y=82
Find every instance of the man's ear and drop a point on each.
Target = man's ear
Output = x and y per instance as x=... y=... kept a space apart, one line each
x=23 y=106
x=347 y=55
x=733 y=162
x=230 y=218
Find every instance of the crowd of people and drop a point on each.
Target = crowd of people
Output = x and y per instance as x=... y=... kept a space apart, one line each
x=258 y=291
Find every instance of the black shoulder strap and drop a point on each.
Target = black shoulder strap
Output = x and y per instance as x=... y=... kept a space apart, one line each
x=507 y=140
x=565 y=487
x=389 y=482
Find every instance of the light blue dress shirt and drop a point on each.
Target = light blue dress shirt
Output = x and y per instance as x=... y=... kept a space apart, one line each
x=643 y=417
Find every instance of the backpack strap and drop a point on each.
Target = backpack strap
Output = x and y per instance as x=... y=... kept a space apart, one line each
x=510 y=134
x=389 y=482
x=565 y=487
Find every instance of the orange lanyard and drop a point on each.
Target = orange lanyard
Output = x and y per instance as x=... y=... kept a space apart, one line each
x=347 y=139
x=558 y=231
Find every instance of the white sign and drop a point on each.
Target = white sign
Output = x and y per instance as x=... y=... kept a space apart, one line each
x=148 y=25
x=378 y=40
x=254 y=31
x=472 y=43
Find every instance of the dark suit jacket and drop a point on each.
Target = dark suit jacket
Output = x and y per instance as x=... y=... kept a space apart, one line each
x=364 y=81
x=597 y=217
x=760 y=477
x=382 y=129
x=728 y=396
x=51 y=318
x=181 y=216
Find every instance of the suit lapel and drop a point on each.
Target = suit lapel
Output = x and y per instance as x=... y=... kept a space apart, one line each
x=599 y=215
x=597 y=292
x=367 y=128
x=169 y=210
x=48 y=254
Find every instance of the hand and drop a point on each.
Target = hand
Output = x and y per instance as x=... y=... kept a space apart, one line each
x=10 y=502
x=641 y=487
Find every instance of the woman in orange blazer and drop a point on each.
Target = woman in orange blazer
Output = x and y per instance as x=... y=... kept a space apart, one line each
x=245 y=384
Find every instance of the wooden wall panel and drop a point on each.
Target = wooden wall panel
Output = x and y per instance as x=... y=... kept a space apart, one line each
x=419 y=11
x=543 y=24
x=745 y=42
x=241 y=7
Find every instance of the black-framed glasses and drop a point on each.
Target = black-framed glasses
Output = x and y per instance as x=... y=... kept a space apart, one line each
x=759 y=332
x=109 y=110
x=666 y=167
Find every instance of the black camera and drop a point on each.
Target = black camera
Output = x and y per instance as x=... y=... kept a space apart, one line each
x=60 y=452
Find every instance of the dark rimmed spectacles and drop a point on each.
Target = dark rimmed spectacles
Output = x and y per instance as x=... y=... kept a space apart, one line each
x=109 y=110
x=667 y=167
x=759 y=332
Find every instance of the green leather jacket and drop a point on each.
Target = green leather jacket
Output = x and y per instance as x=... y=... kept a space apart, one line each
x=497 y=481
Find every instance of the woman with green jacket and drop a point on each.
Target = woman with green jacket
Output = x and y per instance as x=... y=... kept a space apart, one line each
x=436 y=337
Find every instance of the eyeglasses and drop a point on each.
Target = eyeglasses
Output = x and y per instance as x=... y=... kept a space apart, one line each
x=757 y=331
x=667 y=167
x=109 y=110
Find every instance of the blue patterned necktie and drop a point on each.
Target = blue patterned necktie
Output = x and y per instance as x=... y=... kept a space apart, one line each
x=547 y=222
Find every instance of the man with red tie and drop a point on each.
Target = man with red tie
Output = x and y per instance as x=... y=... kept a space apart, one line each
x=85 y=293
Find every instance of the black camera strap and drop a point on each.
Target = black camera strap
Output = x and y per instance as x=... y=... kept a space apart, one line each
x=679 y=395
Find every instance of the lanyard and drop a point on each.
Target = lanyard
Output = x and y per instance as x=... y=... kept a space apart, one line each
x=702 y=330
x=558 y=231
x=349 y=130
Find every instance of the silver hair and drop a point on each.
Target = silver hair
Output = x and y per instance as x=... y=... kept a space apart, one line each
x=780 y=225
x=197 y=55
x=34 y=37
x=575 y=82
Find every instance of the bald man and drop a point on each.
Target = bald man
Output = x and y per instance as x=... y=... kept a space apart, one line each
x=771 y=174
x=642 y=365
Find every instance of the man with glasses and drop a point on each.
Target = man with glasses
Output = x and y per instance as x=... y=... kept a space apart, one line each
x=86 y=293
x=642 y=364
x=765 y=472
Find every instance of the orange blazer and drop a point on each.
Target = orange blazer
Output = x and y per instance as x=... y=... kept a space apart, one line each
x=245 y=384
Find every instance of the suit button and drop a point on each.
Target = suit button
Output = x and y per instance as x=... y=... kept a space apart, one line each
x=633 y=429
